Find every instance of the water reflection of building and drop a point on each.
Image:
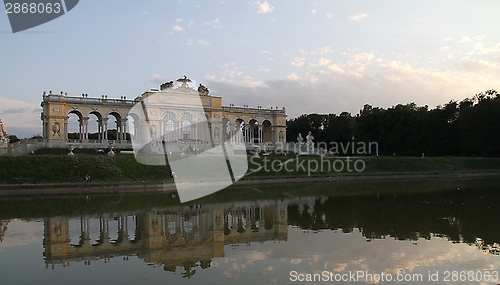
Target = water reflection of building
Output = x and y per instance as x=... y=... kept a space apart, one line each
x=3 y=229
x=178 y=236
x=189 y=237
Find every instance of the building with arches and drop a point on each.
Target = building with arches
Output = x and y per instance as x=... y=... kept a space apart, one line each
x=180 y=114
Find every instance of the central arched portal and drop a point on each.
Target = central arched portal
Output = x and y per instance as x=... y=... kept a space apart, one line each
x=267 y=132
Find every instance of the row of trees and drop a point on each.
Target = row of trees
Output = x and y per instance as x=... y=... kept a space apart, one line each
x=470 y=128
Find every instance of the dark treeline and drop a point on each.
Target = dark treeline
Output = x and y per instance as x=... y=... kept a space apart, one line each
x=469 y=128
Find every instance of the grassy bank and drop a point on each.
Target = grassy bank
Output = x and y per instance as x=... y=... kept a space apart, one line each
x=49 y=167
x=273 y=166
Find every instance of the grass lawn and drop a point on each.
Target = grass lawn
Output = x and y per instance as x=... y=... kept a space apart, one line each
x=52 y=167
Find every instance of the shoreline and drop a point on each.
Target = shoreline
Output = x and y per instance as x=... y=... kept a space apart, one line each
x=41 y=190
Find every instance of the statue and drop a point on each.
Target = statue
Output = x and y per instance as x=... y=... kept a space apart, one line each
x=3 y=134
x=166 y=85
x=56 y=128
x=184 y=81
x=309 y=142
x=202 y=90
x=71 y=148
x=299 y=139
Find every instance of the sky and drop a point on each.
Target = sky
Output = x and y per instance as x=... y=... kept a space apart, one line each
x=308 y=56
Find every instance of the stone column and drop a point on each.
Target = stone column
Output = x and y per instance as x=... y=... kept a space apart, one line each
x=105 y=129
x=65 y=128
x=118 y=129
x=44 y=126
x=86 y=128
x=234 y=138
x=124 y=129
x=80 y=129
x=99 y=130
x=260 y=134
x=246 y=136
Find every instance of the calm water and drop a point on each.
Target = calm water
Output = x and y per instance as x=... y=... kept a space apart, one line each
x=444 y=235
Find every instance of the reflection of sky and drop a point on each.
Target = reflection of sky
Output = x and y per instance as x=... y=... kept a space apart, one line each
x=270 y=262
x=341 y=253
x=21 y=233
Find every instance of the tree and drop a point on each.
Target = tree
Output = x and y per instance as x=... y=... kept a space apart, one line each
x=13 y=138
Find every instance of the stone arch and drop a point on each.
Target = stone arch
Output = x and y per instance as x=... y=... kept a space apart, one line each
x=168 y=126
x=239 y=119
x=239 y=126
x=187 y=127
x=119 y=132
x=267 y=131
x=95 y=133
x=133 y=124
x=254 y=131
x=71 y=125
x=203 y=129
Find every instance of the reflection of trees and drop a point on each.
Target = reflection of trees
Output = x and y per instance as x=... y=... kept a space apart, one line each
x=461 y=216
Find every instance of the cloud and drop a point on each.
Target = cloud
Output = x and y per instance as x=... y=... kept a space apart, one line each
x=20 y=118
x=319 y=51
x=481 y=67
x=479 y=48
x=210 y=77
x=323 y=61
x=336 y=69
x=364 y=56
x=314 y=11
x=202 y=42
x=214 y=24
x=340 y=87
x=479 y=37
x=298 y=61
x=465 y=39
x=156 y=79
x=12 y=111
x=357 y=17
x=292 y=76
x=179 y=26
x=320 y=62
x=325 y=50
x=264 y=8
x=264 y=68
